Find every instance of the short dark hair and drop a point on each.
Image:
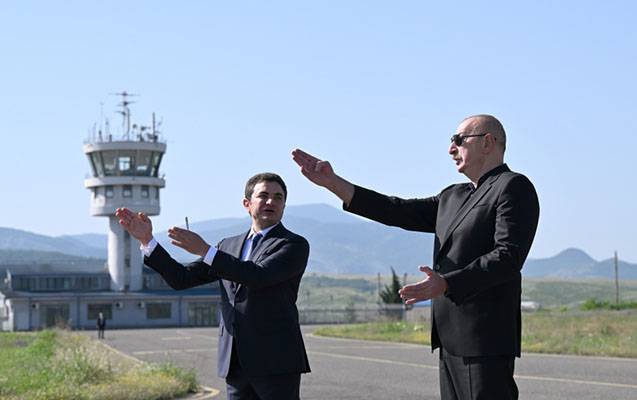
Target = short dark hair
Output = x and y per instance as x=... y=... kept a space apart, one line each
x=486 y=123
x=264 y=177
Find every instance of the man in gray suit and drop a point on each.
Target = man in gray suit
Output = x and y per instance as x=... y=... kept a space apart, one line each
x=261 y=352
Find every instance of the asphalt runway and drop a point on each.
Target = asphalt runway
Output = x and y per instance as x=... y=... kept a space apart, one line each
x=354 y=369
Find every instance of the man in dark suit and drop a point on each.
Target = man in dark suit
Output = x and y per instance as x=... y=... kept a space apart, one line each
x=483 y=233
x=101 y=325
x=261 y=352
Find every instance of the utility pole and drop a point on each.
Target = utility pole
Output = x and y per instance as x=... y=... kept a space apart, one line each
x=616 y=279
x=379 y=298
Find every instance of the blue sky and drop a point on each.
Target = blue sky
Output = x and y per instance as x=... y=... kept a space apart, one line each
x=375 y=87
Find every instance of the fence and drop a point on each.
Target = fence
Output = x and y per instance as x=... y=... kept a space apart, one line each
x=352 y=315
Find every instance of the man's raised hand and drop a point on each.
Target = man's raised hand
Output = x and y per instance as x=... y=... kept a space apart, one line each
x=188 y=240
x=318 y=171
x=138 y=225
x=321 y=173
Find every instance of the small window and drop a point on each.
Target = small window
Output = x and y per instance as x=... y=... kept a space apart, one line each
x=158 y=310
x=145 y=192
x=127 y=191
x=157 y=193
x=109 y=192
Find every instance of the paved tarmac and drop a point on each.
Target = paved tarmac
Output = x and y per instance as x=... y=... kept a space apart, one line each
x=354 y=369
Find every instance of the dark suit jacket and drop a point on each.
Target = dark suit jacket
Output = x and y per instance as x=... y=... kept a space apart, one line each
x=260 y=317
x=482 y=239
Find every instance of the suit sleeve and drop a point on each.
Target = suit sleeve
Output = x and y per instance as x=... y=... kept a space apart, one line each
x=517 y=213
x=288 y=259
x=410 y=214
x=179 y=276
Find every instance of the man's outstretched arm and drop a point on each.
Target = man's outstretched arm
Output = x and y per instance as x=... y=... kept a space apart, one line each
x=321 y=173
x=175 y=274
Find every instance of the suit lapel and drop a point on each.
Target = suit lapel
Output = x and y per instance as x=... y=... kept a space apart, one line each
x=234 y=249
x=464 y=210
x=267 y=242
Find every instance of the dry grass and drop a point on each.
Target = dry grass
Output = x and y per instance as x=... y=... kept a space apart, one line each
x=599 y=333
x=62 y=365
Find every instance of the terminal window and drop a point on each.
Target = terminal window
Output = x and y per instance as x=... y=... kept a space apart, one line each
x=158 y=310
x=127 y=191
x=145 y=192
x=109 y=192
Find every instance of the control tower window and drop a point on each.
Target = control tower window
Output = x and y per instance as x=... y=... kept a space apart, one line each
x=127 y=191
x=124 y=164
x=110 y=162
x=109 y=192
x=156 y=161
x=145 y=192
x=96 y=163
x=143 y=163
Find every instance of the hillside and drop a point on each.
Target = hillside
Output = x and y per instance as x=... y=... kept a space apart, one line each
x=340 y=243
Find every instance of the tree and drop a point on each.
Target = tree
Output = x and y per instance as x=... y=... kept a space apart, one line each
x=389 y=294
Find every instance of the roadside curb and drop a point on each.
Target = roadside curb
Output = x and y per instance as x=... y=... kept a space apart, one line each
x=206 y=393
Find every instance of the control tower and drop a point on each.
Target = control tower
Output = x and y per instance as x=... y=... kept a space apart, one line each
x=125 y=173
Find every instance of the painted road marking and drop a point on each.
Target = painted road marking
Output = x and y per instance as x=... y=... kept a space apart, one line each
x=528 y=377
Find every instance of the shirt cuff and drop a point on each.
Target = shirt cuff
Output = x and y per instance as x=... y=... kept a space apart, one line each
x=210 y=255
x=148 y=249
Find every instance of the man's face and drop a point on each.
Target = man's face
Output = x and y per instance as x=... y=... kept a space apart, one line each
x=469 y=156
x=266 y=204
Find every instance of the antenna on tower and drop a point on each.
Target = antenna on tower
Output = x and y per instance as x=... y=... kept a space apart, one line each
x=125 y=111
x=101 y=120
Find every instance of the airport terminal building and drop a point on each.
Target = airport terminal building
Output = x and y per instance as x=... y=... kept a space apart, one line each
x=35 y=301
x=124 y=173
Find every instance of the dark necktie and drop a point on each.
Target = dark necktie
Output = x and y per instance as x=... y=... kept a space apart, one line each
x=253 y=247
x=255 y=242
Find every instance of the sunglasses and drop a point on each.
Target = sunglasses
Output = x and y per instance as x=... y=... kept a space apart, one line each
x=458 y=139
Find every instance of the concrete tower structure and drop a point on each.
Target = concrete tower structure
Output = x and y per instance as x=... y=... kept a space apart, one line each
x=125 y=173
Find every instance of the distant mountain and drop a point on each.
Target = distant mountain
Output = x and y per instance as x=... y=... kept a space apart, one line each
x=322 y=213
x=357 y=248
x=14 y=239
x=32 y=261
x=559 y=265
x=96 y=240
x=339 y=243
x=574 y=263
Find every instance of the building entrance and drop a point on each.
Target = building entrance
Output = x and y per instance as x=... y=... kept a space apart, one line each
x=54 y=315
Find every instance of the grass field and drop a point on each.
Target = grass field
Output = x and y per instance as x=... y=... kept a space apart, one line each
x=59 y=365
x=338 y=291
x=571 y=293
x=599 y=333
